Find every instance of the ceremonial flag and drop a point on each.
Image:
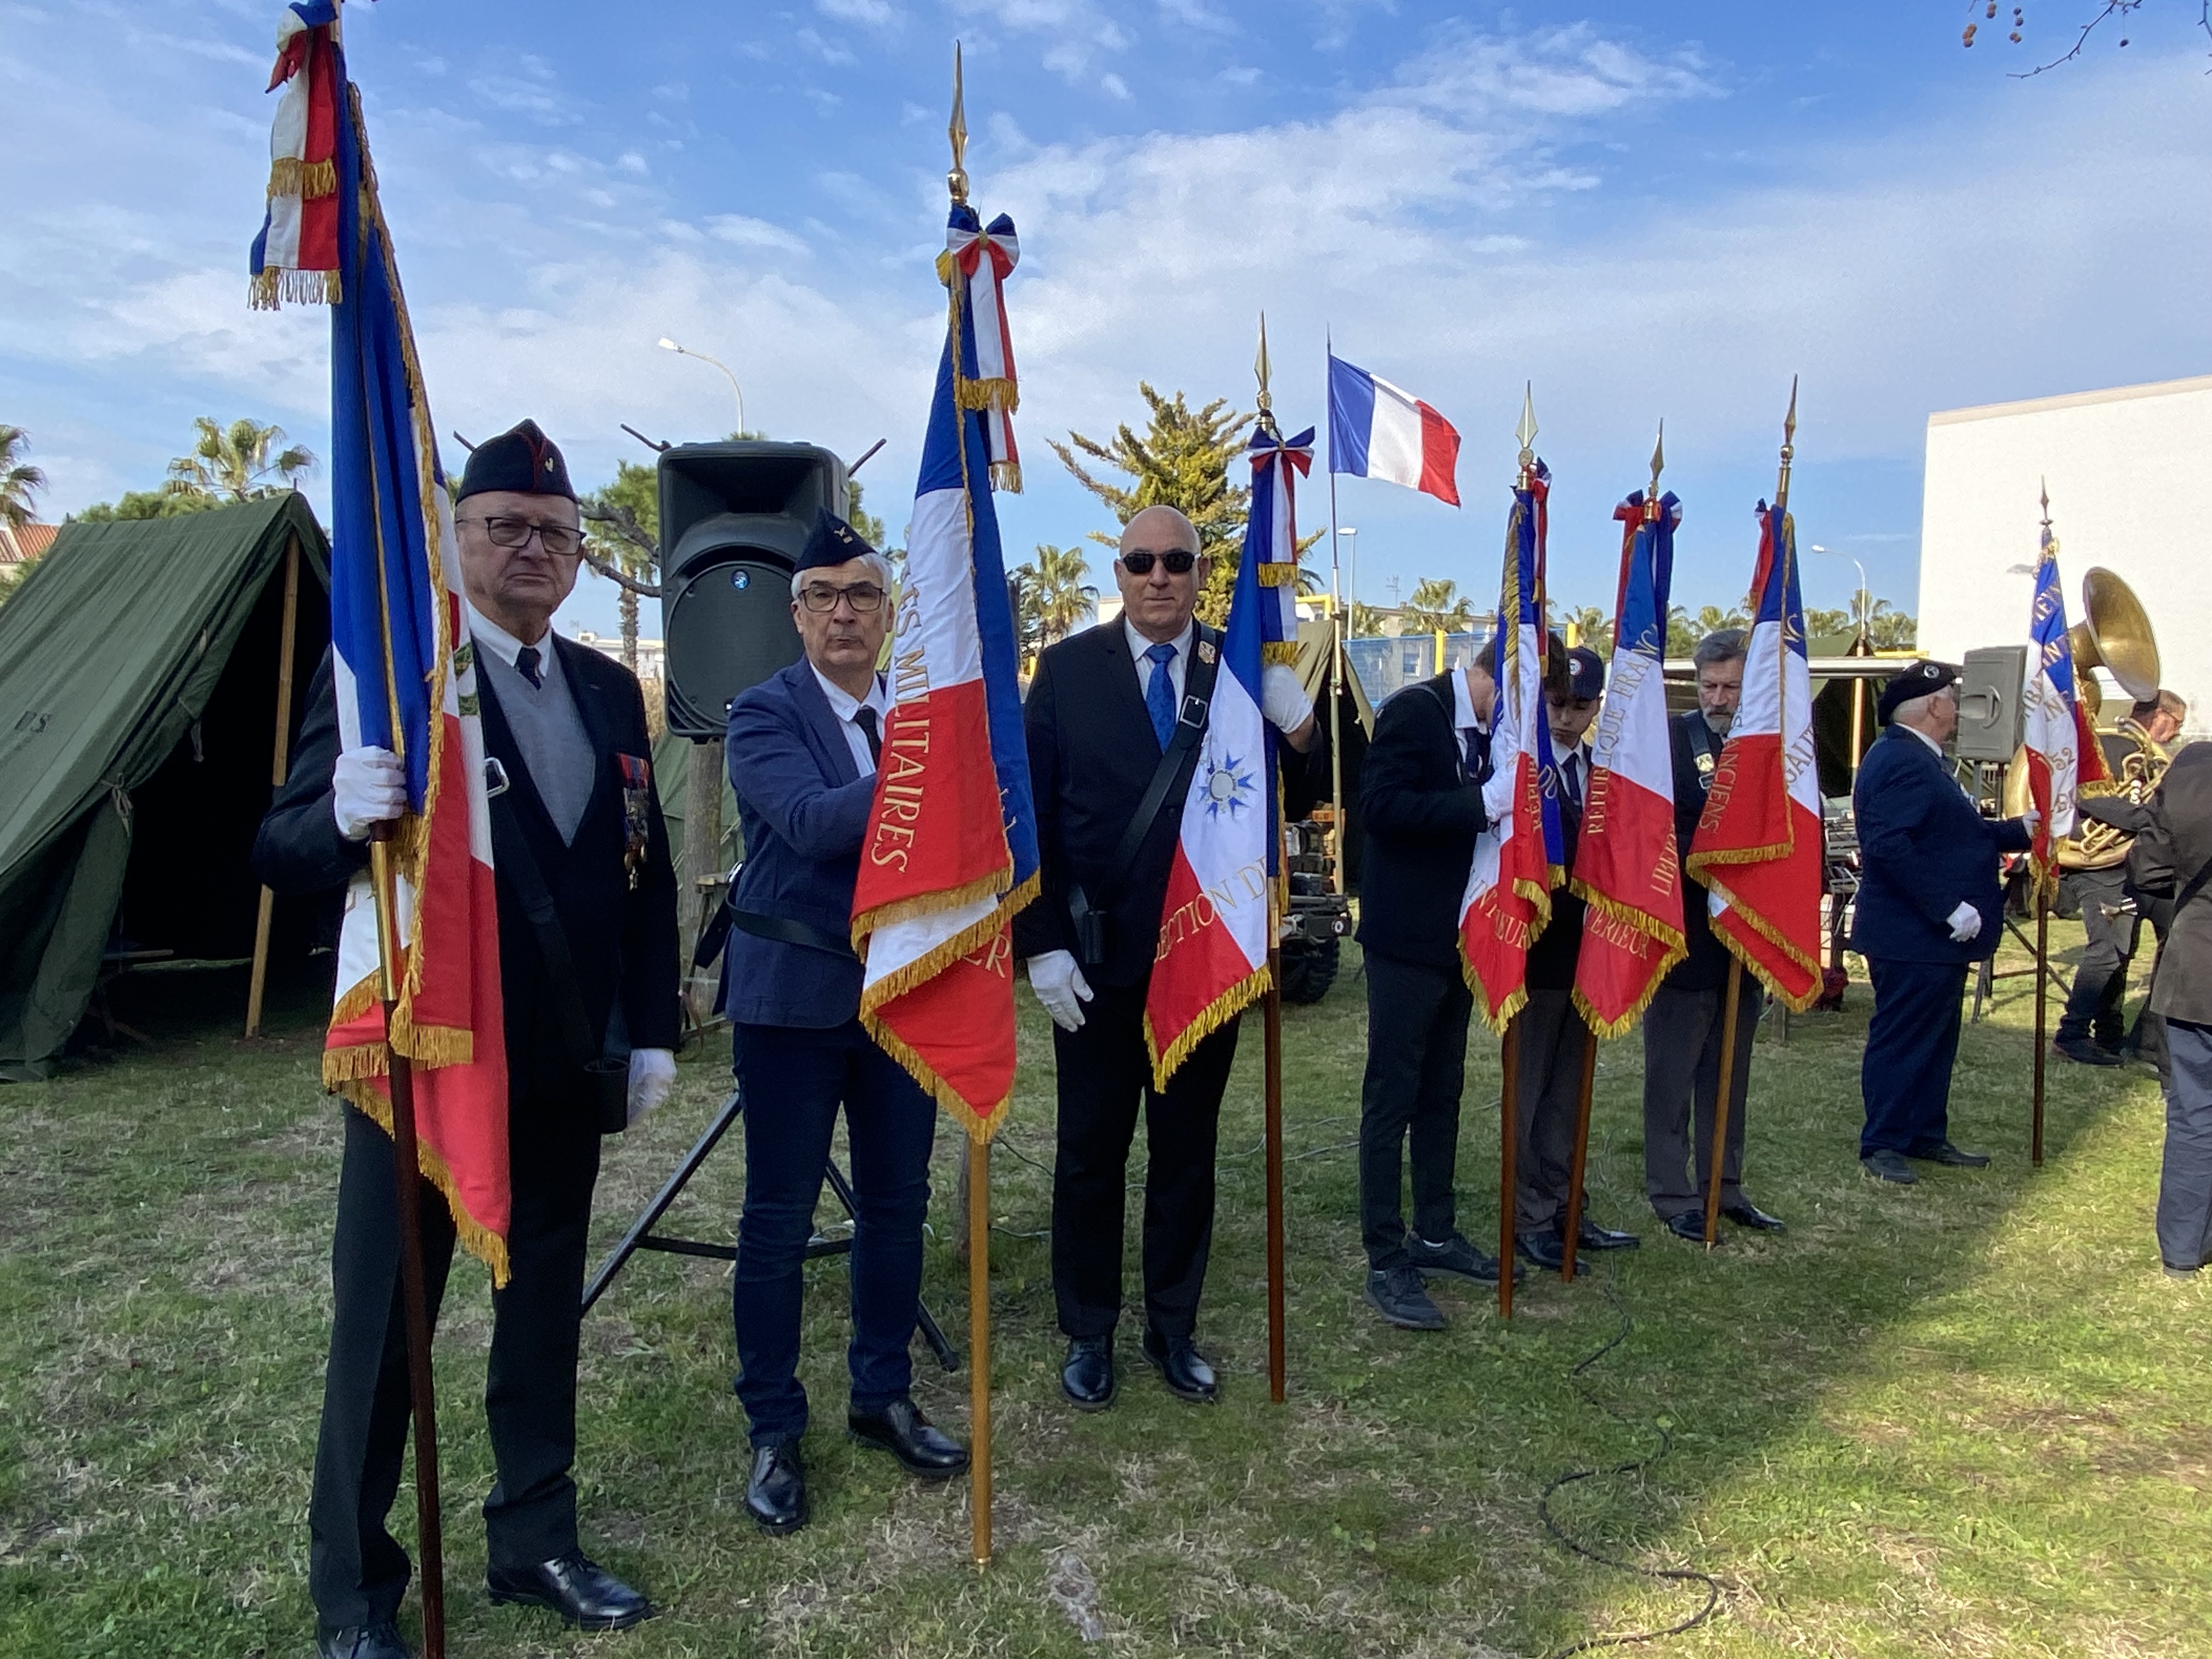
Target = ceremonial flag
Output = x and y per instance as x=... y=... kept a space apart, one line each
x=1625 y=863
x=951 y=852
x=2062 y=750
x=1377 y=431
x=1271 y=537
x=1517 y=858
x=1219 y=917
x=1760 y=851
x=401 y=660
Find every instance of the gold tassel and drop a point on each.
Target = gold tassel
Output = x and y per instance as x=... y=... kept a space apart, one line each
x=279 y=285
x=1279 y=651
x=1006 y=478
x=308 y=180
x=1279 y=575
x=998 y=393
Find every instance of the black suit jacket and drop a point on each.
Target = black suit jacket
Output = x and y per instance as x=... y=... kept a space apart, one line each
x=622 y=940
x=2172 y=853
x=1421 y=811
x=1706 y=966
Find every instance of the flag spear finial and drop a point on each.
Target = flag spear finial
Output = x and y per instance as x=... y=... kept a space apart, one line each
x=1658 y=465
x=1526 y=432
x=957 y=179
x=1789 y=450
x=1261 y=368
x=2046 y=482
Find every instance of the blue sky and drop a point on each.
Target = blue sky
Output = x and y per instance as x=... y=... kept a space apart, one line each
x=1647 y=211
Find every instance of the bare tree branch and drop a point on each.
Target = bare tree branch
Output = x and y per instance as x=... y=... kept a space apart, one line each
x=623 y=523
x=2112 y=8
x=621 y=578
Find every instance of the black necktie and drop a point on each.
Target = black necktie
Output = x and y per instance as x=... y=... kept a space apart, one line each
x=865 y=718
x=1573 y=780
x=526 y=664
x=1477 y=754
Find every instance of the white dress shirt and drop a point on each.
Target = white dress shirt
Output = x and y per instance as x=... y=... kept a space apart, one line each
x=1464 y=719
x=1139 y=645
x=844 y=705
x=504 y=646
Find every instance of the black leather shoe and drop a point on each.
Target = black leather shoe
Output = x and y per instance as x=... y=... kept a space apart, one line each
x=1944 y=1153
x=2084 y=1052
x=1181 y=1367
x=1890 y=1166
x=378 y=1641
x=584 y=1594
x=1544 y=1250
x=1744 y=1213
x=1087 y=1379
x=1398 y=1296
x=1591 y=1236
x=1689 y=1224
x=900 y=1429
x=1455 y=1256
x=776 y=1495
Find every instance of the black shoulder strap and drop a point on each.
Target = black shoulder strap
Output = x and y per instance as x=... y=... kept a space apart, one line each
x=1177 y=761
x=511 y=848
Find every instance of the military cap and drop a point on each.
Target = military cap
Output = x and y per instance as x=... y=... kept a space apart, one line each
x=524 y=461
x=832 y=541
x=1918 y=679
x=1585 y=674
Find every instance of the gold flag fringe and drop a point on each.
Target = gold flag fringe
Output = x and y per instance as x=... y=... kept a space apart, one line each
x=1006 y=478
x=1216 y=1014
x=982 y=1126
x=1273 y=575
x=929 y=904
x=479 y=1241
x=1650 y=926
x=1766 y=930
x=998 y=393
x=308 y=180
x=1279 y=651
x=927 y=967
x=276 y=286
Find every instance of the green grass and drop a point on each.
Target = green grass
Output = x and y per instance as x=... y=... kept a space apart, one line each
x=1967 y=1419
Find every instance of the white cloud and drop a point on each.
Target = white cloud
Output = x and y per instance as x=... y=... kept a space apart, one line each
x=876 y=14
x=1114 y=85
x=743 y=232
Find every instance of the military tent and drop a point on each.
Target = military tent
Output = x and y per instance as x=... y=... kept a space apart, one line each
x=142 y=701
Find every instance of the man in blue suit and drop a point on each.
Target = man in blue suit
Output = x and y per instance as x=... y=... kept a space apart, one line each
x=1929 y=905
x=802 y=748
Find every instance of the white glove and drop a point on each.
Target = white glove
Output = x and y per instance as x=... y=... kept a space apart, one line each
x=1966 y=922
x=652 y=1074
x=367 y=787
x=2033 y=819
x=1060 y=985
x=1282 y=699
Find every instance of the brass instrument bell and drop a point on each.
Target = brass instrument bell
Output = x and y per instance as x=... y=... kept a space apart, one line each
x=2115 y=635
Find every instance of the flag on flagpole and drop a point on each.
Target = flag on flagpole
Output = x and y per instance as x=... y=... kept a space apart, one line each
x=1270 y=536
x=1517 y=858
x=2062 y=751
x=1760 y=849
x=401 y=661
x=1375 y=430
x=951 y=852
x=1219 y=917
x=1625 y=863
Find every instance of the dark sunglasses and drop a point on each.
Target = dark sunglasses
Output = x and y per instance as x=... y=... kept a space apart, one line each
x=1140 y=564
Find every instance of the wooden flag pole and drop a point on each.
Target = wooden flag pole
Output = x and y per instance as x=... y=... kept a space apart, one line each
x=1508 y=1131
x=2042 y=994
x=1732 y=1000
x=1273 y=1010
x=288 y=634
x=407 y=1185
x=1581 y=1158
x=979 y=1345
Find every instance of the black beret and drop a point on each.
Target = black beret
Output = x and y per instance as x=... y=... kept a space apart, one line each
x=1920 y=679
x=1585 y=673
x=831 y=542
x=524 y=461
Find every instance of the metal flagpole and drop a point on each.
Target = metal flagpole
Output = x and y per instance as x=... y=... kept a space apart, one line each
x=1336 y=661
x=1272 y=1006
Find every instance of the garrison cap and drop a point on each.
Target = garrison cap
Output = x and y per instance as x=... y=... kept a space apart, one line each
x=524 y=461
x=1918 y=679
x=1585 y=674
x=831 y=542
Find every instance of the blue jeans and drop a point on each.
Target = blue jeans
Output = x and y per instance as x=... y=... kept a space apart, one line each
x=2185 y=1186
x=794 y=1079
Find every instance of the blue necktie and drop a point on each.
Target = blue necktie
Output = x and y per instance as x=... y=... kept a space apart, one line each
x=1159 y=694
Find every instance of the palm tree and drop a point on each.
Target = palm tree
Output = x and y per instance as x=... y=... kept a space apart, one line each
x=19 y=479
x=1053 y=592
x=1592 y=627
x=232 y=462
x=1438 y=607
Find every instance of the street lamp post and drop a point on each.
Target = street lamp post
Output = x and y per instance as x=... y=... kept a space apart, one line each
x=736 y=391
x=1861 y=605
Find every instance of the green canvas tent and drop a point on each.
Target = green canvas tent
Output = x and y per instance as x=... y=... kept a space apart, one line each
x=140 y=709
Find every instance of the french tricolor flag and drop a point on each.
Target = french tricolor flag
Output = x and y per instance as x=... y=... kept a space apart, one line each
x=2062 y=751
x=1377 y=430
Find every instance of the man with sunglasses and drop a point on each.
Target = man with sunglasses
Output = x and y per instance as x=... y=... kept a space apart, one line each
x=571 y=823
x=1101 y=719
x=803 y=746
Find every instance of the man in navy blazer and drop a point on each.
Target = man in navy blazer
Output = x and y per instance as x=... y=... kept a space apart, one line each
x=802 y=749
x=1928 y=904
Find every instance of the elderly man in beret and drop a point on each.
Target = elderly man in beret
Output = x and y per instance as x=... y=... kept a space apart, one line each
x=1929 y=905
x=577 y=822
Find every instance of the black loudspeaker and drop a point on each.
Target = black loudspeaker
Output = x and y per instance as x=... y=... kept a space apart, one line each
x=1992 y=713
x=733 y=518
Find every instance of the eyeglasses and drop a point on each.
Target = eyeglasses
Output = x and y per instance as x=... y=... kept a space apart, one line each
x=1140 y=564
x=866 y=598
x=558 y=540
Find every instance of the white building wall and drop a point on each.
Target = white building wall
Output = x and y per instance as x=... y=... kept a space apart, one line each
x=2130 y=471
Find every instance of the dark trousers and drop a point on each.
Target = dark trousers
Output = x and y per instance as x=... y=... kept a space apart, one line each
x=357 y=1570
x=1553 y=1041
x=2185 y=1184
x=2095 y=1007
x=1105 y=1074
x=1682 y=1087
x=1416 y=1020
x=1913 y=1043
x=794 y=1080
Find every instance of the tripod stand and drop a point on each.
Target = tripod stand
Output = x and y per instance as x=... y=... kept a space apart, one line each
x=641 y=1236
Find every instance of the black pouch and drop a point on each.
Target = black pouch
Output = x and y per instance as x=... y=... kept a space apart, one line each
x=1093 y=940
x=609 y=1081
